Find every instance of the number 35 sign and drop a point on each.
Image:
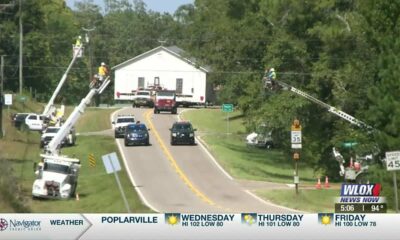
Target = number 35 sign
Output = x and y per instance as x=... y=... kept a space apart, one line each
x=393 y=161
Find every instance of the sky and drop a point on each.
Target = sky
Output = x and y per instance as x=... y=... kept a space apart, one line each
x=155 y=5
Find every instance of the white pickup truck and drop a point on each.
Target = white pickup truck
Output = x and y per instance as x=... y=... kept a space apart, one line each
x=49 y=134
x=36 y=121
x=143 y=98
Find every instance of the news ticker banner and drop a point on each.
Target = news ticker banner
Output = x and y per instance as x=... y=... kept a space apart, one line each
x=200 y=226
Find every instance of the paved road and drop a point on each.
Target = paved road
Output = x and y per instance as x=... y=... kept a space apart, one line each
x=183 y=178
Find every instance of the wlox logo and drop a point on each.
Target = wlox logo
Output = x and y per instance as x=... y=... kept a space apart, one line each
x=360 y=189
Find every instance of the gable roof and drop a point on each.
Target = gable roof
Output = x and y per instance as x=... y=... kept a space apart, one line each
x=173 y=50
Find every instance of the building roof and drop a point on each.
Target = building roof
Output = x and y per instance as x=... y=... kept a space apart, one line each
x=174 y=50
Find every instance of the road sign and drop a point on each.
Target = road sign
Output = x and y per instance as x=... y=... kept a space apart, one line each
x=92 y=160
x=296 y=139
x=8 y=99
x=393 y=161
x=227 y=107
x=111 y=162
x=349 y=144
x=22 y=98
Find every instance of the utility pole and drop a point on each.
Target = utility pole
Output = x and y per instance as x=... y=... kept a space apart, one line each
x=20 y=47
x=87 y=38
x=296 y=147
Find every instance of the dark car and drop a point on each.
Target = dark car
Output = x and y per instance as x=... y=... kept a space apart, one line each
x=19 y=119
x=136 y=134
x=182 y=133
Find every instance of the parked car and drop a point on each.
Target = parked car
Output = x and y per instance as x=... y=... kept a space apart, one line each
x=261 y=138
x=49 y=133
x=136 y=134
x=36 y=122
x=19 y=119
x=120 y=123
x=182 y=133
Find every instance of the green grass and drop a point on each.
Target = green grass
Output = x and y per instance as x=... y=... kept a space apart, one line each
x=238 y=159
x=309 y=200
x=98 y=191
x=95 y=119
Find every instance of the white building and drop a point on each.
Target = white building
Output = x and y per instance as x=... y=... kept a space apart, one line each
x=163 y=67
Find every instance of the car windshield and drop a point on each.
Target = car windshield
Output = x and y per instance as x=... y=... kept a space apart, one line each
x=58 y=168
x=136 y=128
x=143 y=93
x=124 y=120
x=52 y=130
x=182 y=127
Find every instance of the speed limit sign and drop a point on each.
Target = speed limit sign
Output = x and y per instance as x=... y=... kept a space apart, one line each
x=296 y=139
x=393 y=161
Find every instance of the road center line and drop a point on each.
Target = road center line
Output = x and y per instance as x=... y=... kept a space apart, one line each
x=174 y=164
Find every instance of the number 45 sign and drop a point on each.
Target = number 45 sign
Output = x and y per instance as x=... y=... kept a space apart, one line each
x=393 y=161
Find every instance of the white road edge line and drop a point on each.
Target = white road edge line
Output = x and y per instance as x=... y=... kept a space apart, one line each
x=208 y=153
x=272 y=204
x=231 y=178
x=144 y=200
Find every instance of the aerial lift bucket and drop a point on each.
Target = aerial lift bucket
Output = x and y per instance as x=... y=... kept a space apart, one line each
x=76 y=51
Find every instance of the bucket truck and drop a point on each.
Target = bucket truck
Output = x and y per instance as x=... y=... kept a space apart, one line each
x=51 y=115
x=355 y=171
x=57 y=175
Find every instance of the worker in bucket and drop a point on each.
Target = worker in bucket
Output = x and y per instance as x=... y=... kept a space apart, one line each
x=103 y=71
x=78 y=42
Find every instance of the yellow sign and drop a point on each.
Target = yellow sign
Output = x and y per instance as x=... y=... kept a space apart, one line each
x=92 y=160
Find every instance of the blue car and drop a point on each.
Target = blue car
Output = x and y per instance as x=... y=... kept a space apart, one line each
x=137 y=134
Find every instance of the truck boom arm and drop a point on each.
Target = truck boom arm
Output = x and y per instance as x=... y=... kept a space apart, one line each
x=330 y=109
x=48 y=109
x=54 y=145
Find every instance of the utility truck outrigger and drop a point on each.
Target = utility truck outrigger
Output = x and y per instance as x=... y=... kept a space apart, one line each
x=355 y=171
x=57 y=175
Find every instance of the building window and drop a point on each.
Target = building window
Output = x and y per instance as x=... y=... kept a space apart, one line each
x=179 y=85
x=156 y=81
x=140 y=82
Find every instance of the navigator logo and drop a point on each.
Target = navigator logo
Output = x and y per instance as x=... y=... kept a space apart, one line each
x=3 y=224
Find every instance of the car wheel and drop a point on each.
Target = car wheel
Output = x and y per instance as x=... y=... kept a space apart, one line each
x=174 y=111
x=172 y=142
x=147 y=142
x=126 y=143
x=155 y=111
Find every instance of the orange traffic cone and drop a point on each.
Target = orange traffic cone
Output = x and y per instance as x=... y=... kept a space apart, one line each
x=326 y=182
x=318 y=186
x=77 y=196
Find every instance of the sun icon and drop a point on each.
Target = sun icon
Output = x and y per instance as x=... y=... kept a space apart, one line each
x=326 y=220
x=172 y=220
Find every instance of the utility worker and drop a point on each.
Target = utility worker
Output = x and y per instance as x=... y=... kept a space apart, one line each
x=269 y=79
x=78 y=42
x=272 y=74
x=103 y=71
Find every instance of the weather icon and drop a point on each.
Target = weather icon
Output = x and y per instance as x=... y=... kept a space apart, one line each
x=172 y=218
x=325 y=218
x=249 y=218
